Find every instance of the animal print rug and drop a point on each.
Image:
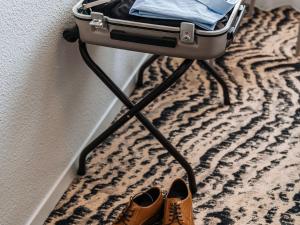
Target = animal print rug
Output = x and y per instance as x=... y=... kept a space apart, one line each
x=246 y=156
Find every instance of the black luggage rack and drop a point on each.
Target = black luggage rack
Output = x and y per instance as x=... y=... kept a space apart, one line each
x=134 y=110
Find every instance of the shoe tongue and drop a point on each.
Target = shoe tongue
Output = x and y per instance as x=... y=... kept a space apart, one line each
x=174 y=200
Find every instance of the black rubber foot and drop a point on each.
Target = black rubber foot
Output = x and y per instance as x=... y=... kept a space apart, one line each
x=227 y=99
x=193 y=188
x=139 y=83
x=81 y=171
x=71 y=34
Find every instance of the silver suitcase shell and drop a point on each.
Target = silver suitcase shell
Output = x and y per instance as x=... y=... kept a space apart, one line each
x=97 y=29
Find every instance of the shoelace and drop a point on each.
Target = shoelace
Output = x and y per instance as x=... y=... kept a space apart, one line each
x=125 y=215
x=175 y=214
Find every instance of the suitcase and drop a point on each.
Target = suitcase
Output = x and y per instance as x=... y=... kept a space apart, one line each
x=185 y=40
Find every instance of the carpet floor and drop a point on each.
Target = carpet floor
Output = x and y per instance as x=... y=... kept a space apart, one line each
x=246 y=156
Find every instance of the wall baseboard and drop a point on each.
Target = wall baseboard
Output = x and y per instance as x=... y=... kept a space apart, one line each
x=68 y=175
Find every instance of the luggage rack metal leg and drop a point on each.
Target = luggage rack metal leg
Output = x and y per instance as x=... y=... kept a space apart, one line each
x=134 y=110
x=219 y=79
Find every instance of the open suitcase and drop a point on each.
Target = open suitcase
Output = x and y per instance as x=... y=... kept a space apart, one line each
x=183 y=40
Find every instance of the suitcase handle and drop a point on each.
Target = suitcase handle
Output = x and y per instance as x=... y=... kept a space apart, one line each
x=143 y=39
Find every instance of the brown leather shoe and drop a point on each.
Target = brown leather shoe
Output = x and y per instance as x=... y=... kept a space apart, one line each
x=178 y=209
x=143 y=209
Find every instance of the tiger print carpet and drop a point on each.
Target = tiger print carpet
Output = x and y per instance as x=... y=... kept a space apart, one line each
x=246 y=156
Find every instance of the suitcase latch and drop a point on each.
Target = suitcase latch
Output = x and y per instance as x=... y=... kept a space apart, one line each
x=187 y=32
x=98 y=22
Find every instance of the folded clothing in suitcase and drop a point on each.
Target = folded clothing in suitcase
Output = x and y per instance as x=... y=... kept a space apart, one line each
x=204 y=13
x=111 y=25
x=124 y=10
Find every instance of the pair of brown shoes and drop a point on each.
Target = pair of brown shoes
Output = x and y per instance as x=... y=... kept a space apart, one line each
x=152 y=206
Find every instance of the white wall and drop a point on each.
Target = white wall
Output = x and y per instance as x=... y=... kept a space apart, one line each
x=49 y=104
x=271 y=4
